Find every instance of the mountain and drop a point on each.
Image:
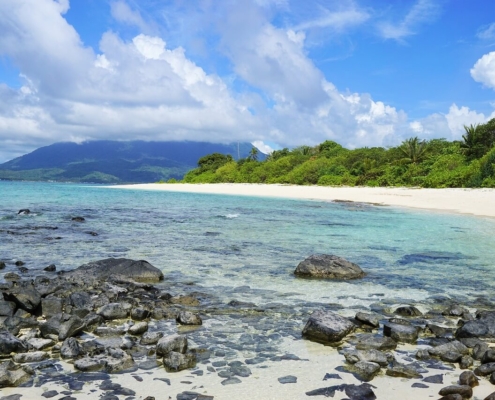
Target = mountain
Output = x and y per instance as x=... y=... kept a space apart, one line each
x=106 y=161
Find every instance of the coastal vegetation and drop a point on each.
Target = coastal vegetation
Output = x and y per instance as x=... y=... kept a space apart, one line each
x=435 y=163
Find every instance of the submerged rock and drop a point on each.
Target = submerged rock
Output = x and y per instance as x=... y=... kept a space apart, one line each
x=328 y=267
x=327 y=327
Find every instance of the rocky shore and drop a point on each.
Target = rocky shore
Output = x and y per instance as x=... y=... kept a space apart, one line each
x=93 y=322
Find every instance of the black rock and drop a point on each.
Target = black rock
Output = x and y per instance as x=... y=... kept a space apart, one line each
x=328 y=267
x=468 y=378
x=49 y=394
x=50 y=268
x=408 y=311
x=24 y=211
x=419 y=385
x=327 y=327
x=10 y=344
x=78 y=219
x=465 y=391
x=287 y=379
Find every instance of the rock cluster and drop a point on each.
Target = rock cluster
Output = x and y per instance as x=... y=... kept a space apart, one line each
x=111 y=299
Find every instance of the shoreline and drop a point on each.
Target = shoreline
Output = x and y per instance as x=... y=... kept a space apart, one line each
x=476 y=202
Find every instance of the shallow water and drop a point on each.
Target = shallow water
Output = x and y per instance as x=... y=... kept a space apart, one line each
x=222 y=242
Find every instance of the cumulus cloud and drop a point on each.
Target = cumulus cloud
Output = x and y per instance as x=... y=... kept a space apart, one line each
x=484 y=70
x=422 y=12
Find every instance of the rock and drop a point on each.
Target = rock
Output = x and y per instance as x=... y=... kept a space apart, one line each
x=485 y=369
x=434 y=379
x=24 y=211
x=174 y=361
x=26 y=298
x=167 y=344
x=49 y=394
x=92 y=321
x=328 y=267
x=40 y=344
x=70 y=348
x=19 y=263
x=35 y=356
x=439 y=331
x=444 y=350
x=466 y=362
x=467 y=378
x=81 y=300
x=408 y=311
x=364 y=370
x=422 y=354
x=465 y=391
x=327 y=327
x=78 y=219
x=112 y=361
x=139 y=271
x=368 y=319
x=2 y=265
x=7 y=308
x=139 y=314
x=403 y=371
x=138 y=329
x=491 y=396
x=51 y=306
x=367 y=342
x=401 y=333
x=50 y=268
x=11 y=276
x=151 y=338
x=10 y=344
x=479 y=350
x=453 y=396
x=482 y=327
x=375 y=356
x=12 y=375
x=63 y=325
x=488 y=356
x=115 y=311
x=189 y=318
x=287 y=379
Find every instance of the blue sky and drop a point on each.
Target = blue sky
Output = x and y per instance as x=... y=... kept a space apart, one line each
x=272 y=72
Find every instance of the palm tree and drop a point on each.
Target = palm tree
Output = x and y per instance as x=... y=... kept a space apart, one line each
x=253 y=154
x=414 y=149
x=471 y=147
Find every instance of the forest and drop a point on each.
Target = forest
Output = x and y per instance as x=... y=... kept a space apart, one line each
x=435 y=163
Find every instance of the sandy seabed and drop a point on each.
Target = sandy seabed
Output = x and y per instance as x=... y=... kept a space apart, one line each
x=479 y=202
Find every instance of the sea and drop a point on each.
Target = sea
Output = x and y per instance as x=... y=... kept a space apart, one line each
x=231 y=248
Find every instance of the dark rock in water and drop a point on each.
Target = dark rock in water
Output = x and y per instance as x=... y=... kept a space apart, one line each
x=70 y=348
x=401 y=333
x=287 y=379
x=408 y=311
x=139 y=271
x=430 y=257
x=174 y=361
x=12 y=375
x=10 y=344
x=189 y=318
x=455 y=310
x=420 y=385
x=78 y=219
x=328 y=267
x=367 y=342
x=24 y=211
x=50 y=268
x=439 y=331
x=237 y=303
x=403 y=371
x=434 y=379
x=2 y=265
x=92 y=233
x=11 y=276
x=468 y=378
x=465 y=391
x=167 y=344
x=19 y=263
x=327 y=327
x=368 y=319
x=63 y=325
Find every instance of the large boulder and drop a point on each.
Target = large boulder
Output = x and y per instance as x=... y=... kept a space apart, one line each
x=139 y=271
x=482 y=327
x=401 y=333
x=328 y=267
x=327 y=327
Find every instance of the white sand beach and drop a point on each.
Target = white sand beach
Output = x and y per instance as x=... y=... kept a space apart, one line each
x=479 y=202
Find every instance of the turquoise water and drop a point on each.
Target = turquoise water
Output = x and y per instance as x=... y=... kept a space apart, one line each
x=246 y=248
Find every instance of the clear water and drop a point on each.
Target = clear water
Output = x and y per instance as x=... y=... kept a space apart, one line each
x=246 y=248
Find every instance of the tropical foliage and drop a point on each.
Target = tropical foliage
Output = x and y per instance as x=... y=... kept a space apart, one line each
x=435 y=163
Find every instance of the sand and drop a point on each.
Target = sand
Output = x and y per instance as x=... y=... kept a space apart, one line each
x=479 y=202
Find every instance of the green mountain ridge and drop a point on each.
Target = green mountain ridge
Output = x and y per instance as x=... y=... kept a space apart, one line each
x=108 y=161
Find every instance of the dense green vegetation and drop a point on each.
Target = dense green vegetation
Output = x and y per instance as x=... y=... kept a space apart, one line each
x=435 y=163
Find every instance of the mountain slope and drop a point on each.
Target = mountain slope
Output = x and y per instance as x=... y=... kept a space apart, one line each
x=106 y=161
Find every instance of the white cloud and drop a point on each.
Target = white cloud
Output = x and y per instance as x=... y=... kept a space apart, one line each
x=487 y=32
x=460 y=116
x=423 y=11
x=263 y=147
x=121 y=11
x=484 y=70
x=336 y=20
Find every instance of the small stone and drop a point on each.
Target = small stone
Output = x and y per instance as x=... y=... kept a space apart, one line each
x=466 y=362
x=49 y=394
x=138 y=329
x=50 y=268
x=468 y=378
x=287 y=379
x=419 y=385
x=231 y=381
x=434 y=379
x=78 y=219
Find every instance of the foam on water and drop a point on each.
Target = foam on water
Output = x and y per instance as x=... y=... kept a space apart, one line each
x=256 y=244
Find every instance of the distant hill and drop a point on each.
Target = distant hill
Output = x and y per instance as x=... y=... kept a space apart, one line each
x=106 y=161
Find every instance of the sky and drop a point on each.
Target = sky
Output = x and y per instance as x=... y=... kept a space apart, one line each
x=277 y=73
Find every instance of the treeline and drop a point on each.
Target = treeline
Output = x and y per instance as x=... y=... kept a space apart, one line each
x=435 y=163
